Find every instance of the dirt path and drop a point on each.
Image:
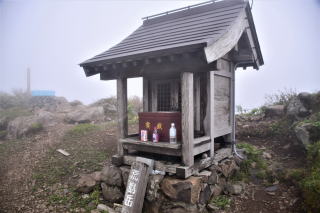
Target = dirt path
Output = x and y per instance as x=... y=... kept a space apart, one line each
x=21 y=157
x=17 y=165
x=281 y=197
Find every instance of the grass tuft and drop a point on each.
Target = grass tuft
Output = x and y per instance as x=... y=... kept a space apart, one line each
x=221 y=201
x=80 y=130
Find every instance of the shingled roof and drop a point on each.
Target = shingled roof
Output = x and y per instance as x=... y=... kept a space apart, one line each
x=201 y=24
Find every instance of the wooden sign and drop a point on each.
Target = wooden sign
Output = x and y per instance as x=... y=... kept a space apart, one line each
x=136 y=185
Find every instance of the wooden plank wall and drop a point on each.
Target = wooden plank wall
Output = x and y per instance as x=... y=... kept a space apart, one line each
x=222 y=98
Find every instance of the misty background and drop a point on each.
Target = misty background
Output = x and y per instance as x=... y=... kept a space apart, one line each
x=52 y=37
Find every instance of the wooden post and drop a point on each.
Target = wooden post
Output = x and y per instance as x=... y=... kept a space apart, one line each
x=136 y=185
x=232 y=102
x=210 y=109
x=197 y=102
x=145 y=94
x=122 y=112
x=187 y=118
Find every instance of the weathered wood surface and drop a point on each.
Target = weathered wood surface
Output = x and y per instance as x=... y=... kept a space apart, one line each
x=145 y=94
x=158 y=165
x=202 y=148
x=184 y=171
x=227 y=41
x=200 y=140
x=187 y=118
x=187 y=171
x=154 y=98
x=222 y=132
x=222 y=154
x=221 y=103
x=197 y=98
x=136 y=187
x=211 y=111
x=159 y=147
x=122 y=111
x=232 y=104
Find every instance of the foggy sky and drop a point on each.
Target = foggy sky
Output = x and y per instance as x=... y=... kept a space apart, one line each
x=53 y=36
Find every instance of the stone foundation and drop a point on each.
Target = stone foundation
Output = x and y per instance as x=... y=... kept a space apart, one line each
x=167 y=193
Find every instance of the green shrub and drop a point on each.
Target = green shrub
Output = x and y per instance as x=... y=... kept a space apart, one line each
x=281 y=128
x=14 y=112
x=3 y=134
x=17 y=99
x=36 y=127
x=221 y=201
x=254 y=161
x=81 y=129
x=281 y=97
x=310 y=184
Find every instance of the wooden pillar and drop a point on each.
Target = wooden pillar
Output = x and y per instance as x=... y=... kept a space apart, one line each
x=232 y=102
x=187 y=118
x=145 y=94
x=210 y=110
x=197 y=102
x=122 y=112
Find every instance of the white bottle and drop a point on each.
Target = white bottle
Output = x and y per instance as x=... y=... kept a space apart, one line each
x=173 y=134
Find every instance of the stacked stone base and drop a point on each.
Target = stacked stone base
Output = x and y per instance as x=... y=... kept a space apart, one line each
x=167 y=193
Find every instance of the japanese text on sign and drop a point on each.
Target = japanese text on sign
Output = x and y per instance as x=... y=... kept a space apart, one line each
x=132 y=187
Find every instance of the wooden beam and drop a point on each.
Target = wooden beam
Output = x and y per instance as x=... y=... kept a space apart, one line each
x=158 y=148
x=145 y=94
x=122 y=112
x=187 y=118
x=197 y=96
x=210 y=110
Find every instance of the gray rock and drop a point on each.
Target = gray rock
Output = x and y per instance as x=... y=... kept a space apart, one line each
x=228 y=167
x=86 y=183
x=187 y=190
x=304 y=133
x=96 y=176
x=212 y=207
x=306 y=99
x=153 y=187
x=205 y=194
x=112 y=194
x=266 y=155
x=178 y=207
x=205 y=174
x=102 y=207
x=213 y=178
x=272 y=188
x=3 y=123
x=274 y=111
x=125 y=170
x=24 y=125
x=85 y=115
x=216 y=190
x=295 y=109
x=112 y=176
x=234 y=189
x=75 y=103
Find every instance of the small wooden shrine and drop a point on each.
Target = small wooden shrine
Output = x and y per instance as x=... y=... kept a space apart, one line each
x=187 y=59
